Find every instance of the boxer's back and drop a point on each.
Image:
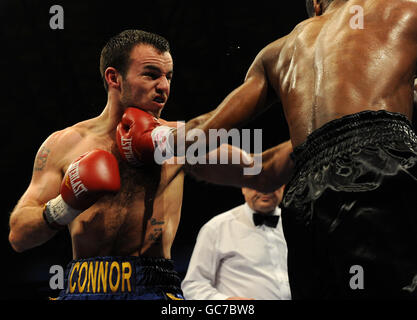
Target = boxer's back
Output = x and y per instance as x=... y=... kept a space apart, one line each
x=327 y=68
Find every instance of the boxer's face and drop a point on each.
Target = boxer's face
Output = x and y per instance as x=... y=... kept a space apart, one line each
x=263 y=202
x=147 y=82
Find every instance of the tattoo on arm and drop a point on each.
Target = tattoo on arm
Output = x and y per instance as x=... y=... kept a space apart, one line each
x=154 y=222
x=156 y=234
x=41 y=158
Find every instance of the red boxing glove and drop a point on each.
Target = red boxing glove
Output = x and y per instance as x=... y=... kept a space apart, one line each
x=139 y=134
x=87 y=179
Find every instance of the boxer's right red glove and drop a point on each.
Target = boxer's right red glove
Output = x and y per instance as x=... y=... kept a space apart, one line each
x=139 y=134
x=90 y=176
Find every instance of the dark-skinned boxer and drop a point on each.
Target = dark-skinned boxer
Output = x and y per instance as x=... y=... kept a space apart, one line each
x=345 y=78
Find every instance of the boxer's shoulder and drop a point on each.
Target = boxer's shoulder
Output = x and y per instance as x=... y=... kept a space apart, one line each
x=64 y=140
x=398 y=6
x=274 y=47
x=410 y=15
x=62 y=146
x=267 y=57
x=71 y=134
x=393 y=12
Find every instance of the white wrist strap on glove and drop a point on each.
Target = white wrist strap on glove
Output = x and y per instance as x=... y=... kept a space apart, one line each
x=58 y=213
x=163 y=139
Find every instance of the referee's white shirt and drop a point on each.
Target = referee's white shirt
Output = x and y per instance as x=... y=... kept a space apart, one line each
x=234 y=258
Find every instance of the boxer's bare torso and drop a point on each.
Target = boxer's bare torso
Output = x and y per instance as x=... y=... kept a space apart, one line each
x=325 y=69
x=141 y=219
x=143 y=216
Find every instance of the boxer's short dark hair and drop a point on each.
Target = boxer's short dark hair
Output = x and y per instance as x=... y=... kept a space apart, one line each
x=116 y=52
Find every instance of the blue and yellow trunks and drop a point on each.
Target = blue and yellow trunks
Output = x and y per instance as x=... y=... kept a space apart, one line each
x=121 y=278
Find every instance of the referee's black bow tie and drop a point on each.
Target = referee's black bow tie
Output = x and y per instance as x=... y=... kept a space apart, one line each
x=266 y=219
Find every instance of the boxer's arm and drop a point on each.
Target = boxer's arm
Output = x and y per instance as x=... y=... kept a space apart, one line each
x=28 y=228
x=275 y=168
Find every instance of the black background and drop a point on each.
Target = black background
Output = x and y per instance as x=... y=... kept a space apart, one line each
x=50 y=80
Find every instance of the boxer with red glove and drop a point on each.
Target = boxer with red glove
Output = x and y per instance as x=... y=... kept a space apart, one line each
x=139 y=134
x=90 y=176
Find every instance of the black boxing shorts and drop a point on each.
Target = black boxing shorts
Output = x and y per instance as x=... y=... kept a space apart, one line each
x=121 y=278
x=350 y=210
